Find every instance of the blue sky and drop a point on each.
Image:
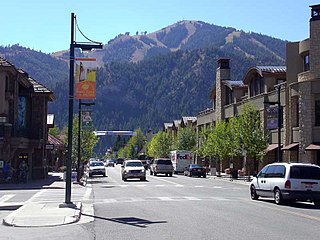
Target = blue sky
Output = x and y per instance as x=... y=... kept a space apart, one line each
x=45 y=24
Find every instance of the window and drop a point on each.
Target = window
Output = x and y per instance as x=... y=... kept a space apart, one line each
x=262 y=89
x=305 y=172
x=317 y=113
x=263 y=172
x=7 y=84
x=306 y=63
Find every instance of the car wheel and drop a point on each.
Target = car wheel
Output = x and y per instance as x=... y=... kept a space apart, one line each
x=142 y=179
x=278 y=197
x=204 y=176
x=253 y=193
x=190 y=174
x=170 y=174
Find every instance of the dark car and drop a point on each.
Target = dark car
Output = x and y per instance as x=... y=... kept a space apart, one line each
x=120 y=161
x=195 y=170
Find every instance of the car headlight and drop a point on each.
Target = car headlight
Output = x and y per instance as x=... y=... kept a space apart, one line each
x=143 y=170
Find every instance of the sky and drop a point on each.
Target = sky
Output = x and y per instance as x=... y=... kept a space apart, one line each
x=45 y=25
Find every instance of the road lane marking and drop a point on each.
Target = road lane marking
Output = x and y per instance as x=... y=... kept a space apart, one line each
x=36 y=195
x=87 y=194
x=166 y=199
x=287 y=211
x=192 y=198
x=198 y=186
x=167 y=181
x=6 y=197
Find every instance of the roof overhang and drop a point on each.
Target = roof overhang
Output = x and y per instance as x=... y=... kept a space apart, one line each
x=272 y=147
x=290 y=146
x=312 y=147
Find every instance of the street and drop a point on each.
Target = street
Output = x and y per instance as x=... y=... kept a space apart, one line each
x=177 y=207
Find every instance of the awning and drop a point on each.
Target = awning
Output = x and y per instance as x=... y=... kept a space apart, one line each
x=290 y=146
x=313 y=147
x=272 y=147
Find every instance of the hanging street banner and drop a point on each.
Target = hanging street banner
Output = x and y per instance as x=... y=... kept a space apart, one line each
x=86 y=119
x=272 y=117
x=86 y=71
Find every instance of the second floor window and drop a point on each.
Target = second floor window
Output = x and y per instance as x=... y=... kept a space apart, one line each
x=306 y=63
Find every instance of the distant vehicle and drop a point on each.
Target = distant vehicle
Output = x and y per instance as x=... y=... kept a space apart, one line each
x=195 y=170
x=110 y=163
x=96 y=168
x=120 y=161
x=180 y=160
x=287 y=182
x=133 y=169
x=161 y=166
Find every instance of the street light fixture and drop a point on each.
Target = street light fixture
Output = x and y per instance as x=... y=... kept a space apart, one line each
x=84 y=47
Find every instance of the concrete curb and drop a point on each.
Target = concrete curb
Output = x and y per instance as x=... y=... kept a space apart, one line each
x=44 y=215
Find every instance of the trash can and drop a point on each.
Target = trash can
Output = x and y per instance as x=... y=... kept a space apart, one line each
x=234 y=174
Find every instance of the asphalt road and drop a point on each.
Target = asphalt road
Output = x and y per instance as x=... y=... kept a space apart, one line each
x=177 y=207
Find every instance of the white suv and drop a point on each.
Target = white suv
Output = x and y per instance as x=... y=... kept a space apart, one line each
x=287 y=181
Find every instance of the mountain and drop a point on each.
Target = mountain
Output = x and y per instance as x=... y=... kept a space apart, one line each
x=145 y=80
x=184 y=35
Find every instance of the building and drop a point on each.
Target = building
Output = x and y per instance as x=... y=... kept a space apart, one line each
x=23 y=120
x=292 y=90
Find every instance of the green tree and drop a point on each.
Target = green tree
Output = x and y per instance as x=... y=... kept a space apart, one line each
x=160 y=145
x=186 y=139
x=251 y=135
x=87 y=143
x=55 y=131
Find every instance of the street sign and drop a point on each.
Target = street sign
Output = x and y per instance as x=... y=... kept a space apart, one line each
x=49 y=146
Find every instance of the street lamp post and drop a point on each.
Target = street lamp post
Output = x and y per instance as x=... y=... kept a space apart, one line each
x=278 y=103
x=84 y=47
x=79 y=136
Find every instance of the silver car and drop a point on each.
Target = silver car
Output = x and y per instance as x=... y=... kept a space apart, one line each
x=287 y=181
x=96 y=168
x=133 y=169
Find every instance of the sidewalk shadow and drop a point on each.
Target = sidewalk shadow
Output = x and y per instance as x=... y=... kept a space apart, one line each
x=132 y=221
x=33 y=184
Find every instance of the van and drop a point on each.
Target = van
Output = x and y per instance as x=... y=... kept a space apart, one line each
x=287 y=182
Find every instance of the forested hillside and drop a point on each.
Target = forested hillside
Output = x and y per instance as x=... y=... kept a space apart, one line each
x=148 y=79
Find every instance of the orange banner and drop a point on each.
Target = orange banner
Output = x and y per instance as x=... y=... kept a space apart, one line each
x=86 y=71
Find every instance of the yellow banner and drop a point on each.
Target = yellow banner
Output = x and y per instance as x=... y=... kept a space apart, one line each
x=86 y=72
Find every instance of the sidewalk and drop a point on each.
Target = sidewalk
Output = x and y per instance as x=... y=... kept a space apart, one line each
x=44 y=214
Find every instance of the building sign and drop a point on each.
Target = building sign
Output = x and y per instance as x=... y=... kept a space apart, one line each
x=272 y=117
x=49 y=146
x=86 y=70
x=87 y=119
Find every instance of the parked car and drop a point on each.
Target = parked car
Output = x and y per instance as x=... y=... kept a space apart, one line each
x=195 y=170
x=161 y=166
x=110 y=163
x=287 y=182
x=133 y=169
x=96 y=168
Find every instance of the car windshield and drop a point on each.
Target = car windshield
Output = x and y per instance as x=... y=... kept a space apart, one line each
x=94 y=164
x=164 y=162
x=134 y=164
x=196 y=166
x=305 y=172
